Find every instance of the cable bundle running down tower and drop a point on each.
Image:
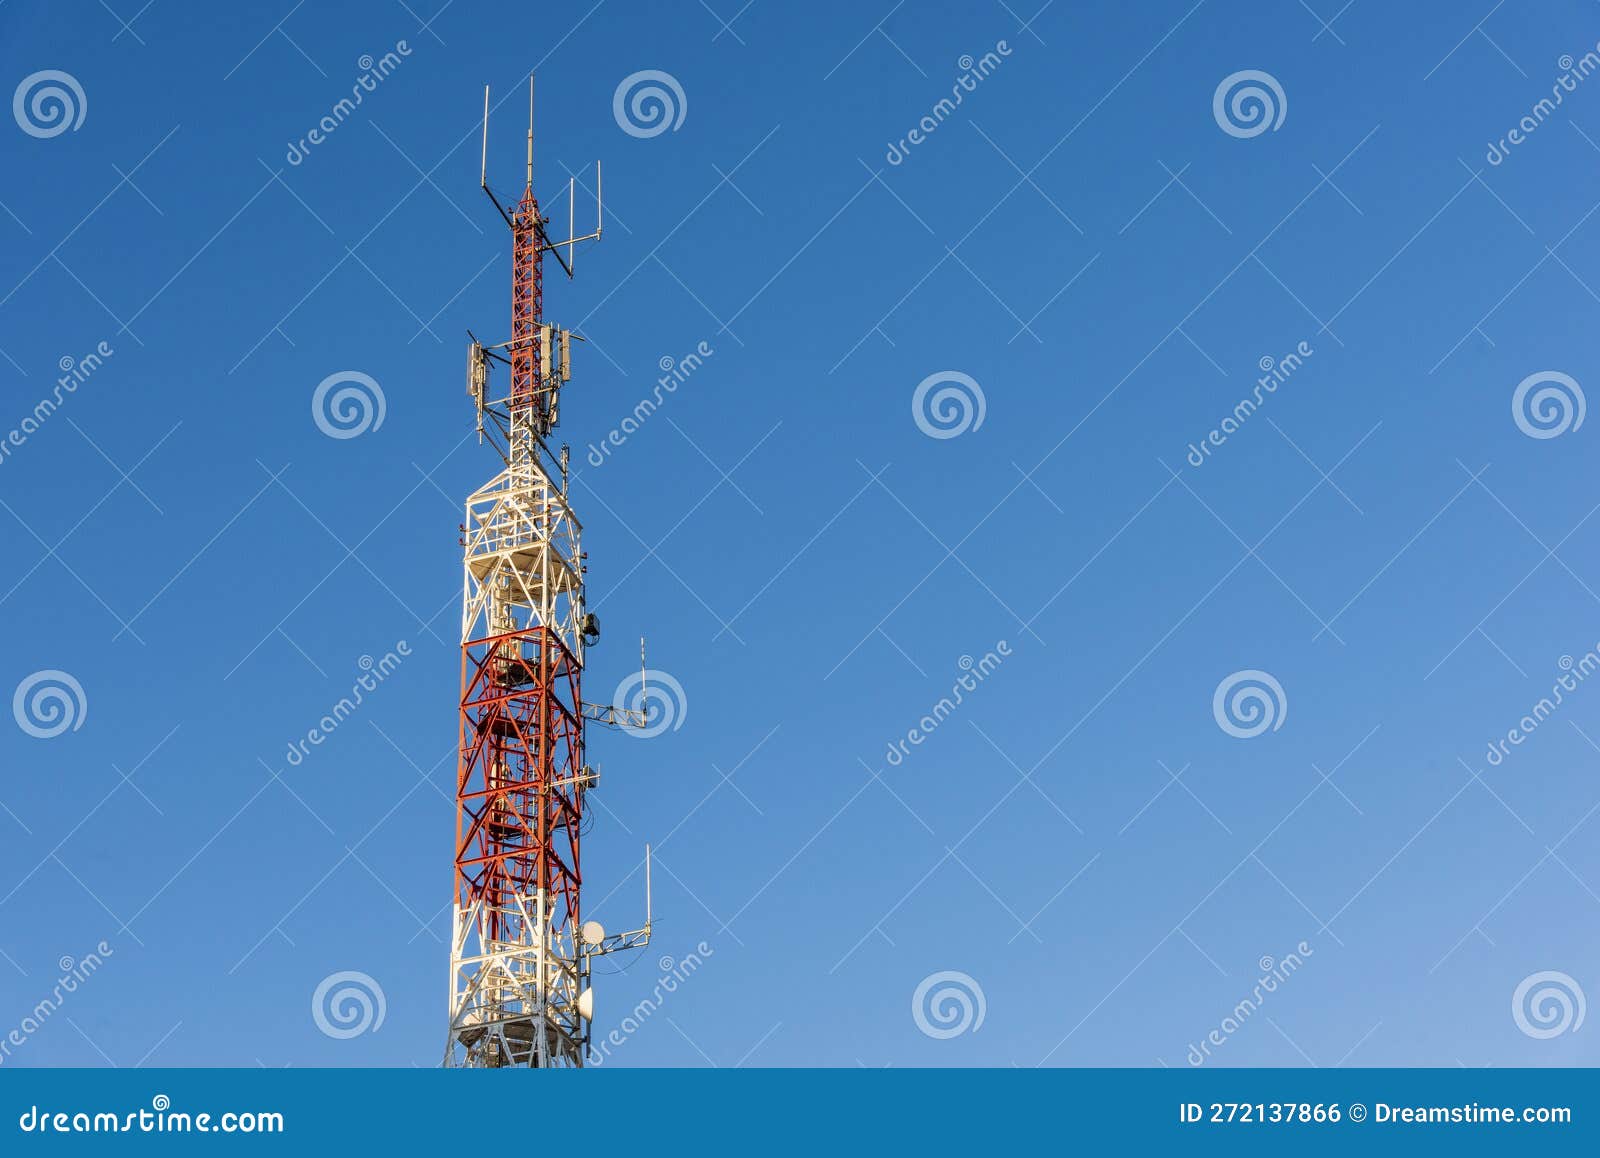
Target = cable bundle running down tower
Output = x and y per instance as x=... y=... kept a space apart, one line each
x=520 y=950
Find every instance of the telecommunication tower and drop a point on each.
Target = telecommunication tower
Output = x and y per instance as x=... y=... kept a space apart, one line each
x=520 y=950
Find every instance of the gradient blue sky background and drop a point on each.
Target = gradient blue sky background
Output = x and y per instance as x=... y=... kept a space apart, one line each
x=1084 y=240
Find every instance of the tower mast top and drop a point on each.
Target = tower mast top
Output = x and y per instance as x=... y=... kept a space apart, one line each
x=537 y=354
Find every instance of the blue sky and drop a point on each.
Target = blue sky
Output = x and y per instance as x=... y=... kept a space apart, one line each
x=1106 y=263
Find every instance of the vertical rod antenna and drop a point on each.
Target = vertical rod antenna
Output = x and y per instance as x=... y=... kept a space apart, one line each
x=530 y=130
x=572 y=232
x=597 y=210
x=648 y=911
x=483 y=172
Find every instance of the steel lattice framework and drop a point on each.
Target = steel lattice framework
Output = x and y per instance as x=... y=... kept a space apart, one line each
x=520 y=950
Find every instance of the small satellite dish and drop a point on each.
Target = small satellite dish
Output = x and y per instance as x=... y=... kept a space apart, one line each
x=593 y=932
x=586 y=1005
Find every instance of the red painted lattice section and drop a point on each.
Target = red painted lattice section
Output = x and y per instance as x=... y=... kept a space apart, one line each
x=519 y=813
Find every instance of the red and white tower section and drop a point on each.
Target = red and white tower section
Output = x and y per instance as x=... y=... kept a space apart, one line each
x=520 y=949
